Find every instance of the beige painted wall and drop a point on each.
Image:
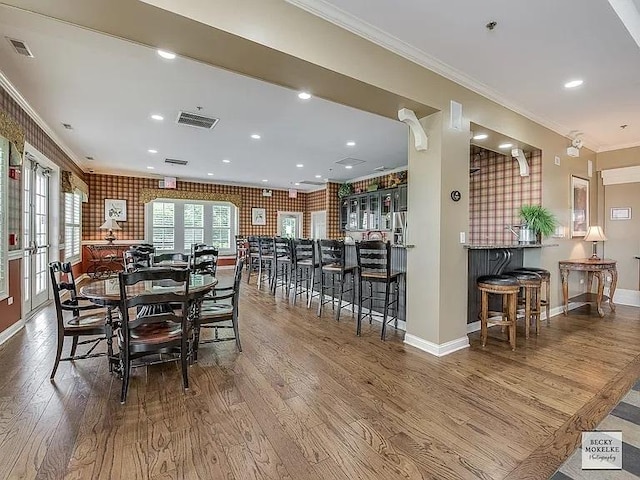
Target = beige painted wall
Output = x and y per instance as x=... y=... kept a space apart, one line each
x=623 y=237
x=360 y=65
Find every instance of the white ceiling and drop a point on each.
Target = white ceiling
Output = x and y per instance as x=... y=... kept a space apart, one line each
x=524 y=62
x=107 y=89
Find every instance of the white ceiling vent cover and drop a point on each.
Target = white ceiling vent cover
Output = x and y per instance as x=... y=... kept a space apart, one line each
x=350 y=161
x=195 y=120
x=311 y=182
x=20 y=47
x=175 y=161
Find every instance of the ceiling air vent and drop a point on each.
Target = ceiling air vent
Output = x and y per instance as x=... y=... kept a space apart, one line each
x=20 y=47
x=349 y=161
x=310 y=182
x=380 y=169
x=175 y=161
x=195 y=120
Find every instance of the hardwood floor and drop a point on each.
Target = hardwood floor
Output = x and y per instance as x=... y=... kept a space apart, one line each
x=307 y=399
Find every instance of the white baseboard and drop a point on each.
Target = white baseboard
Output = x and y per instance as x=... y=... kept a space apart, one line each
x=475 y=326
x=11 y=331
x=439 y=350
x=627 y=297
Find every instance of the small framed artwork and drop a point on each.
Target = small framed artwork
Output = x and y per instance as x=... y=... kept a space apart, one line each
x=579 y=206
x=258 y=216
x=115 y=209
x=621 y=213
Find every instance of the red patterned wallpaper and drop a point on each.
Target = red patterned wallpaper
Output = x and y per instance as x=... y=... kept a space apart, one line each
x=496 y=193
x=316 y=201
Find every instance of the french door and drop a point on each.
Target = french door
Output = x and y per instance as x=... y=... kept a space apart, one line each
x=36 y=238
x=290 y=224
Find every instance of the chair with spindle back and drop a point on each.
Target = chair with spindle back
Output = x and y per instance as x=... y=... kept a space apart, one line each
x=332 y=260
x=217 y=312
x=304 y=268
x=374 y=268
x=85 y=319
x=149 y=332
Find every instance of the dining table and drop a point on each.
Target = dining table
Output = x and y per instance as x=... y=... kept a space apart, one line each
x=106 y=293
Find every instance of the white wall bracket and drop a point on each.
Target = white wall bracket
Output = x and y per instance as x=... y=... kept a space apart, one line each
x=518 y=154
x=409 y=117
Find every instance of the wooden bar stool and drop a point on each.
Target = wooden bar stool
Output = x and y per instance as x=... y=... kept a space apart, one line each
x=508 y=287
x=304 y=269
x=546 y=286
x=332 y=260
x=531 y=283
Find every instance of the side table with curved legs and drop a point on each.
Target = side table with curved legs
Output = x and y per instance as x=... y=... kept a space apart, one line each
x=598 y=268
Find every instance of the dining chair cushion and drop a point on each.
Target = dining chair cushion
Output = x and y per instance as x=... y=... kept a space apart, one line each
x=155 y=333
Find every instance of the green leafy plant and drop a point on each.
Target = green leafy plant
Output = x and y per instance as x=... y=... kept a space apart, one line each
x=345 y=190
x=539 y=219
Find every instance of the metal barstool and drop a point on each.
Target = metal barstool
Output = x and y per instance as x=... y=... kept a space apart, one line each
x=507 y=287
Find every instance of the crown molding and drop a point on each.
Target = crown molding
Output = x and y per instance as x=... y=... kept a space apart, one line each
x=378 y=174
x=351 y=23
x=17 y=96
x=620 y=146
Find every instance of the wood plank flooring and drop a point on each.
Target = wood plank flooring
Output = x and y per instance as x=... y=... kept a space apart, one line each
x=307 y=399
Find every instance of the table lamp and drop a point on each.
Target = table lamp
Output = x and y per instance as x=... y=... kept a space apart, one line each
x=595 y=235
x=110 y=225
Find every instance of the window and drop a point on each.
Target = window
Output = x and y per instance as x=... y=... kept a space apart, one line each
x=163 y=222
x=174 y=225
x=72 y=227
x=4 y=210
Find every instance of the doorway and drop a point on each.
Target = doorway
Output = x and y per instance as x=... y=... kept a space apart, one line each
x=319 y=224
x=39 y=191
x=290 y=224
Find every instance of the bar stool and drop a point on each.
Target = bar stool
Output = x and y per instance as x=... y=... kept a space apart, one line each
x=265 y=259
x=304 y=268
x=531 y=283
x=241 y=249
x=253 y=256
x=374 y=268
x=333 y=262
x=507 y=287
x=281 y=264
x=546 y=286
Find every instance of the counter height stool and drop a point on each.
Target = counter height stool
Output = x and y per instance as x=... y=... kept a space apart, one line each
x=508 y=287
x=281 y=264
x=546 y=286
x=266 y=259
x=332 y=262
x=253 y=256
x=304 y=268
x=531 y=283
x=374 y=267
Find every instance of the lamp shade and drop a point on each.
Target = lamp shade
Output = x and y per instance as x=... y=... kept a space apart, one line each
x=110 y=224
x=595 y=234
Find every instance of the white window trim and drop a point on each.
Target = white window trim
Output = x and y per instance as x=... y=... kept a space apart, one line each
x=179 y=221
x=4 y=231
x=298 y=215
x=76 y=258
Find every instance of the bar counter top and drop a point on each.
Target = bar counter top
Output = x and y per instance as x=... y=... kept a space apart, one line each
x=480 y=246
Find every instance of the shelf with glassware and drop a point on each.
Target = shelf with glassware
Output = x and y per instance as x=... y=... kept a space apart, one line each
x=373 y=210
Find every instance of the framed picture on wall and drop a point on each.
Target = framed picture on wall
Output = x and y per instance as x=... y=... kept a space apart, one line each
x=258 y=216
x=579 y=206
x=115 y=209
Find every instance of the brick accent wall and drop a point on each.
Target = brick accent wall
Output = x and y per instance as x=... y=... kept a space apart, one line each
x=497 y=191
x=102 y=187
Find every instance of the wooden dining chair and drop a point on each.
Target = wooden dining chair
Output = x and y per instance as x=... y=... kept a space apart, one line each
x=76 y=318
x=153 y=329
x=135 y=259
x=170 y=257
x=204 y=259
x=220 y=312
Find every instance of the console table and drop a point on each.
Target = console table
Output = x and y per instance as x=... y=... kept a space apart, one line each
x=595 y=268
x=105 y=259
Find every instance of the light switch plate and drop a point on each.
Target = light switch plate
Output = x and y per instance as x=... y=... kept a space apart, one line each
x=557 y=160
x=463 y=237
x=10 y=301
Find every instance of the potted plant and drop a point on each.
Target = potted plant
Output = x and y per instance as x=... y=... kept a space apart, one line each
x=345 y=190
x=539 y=219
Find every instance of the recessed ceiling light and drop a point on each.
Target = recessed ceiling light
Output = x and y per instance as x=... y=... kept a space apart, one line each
x=226 y=161
x=166 y=54
x=296 y=184
x=304 y=95
x=351 y=144
x=480 y=136
x=299 y=165
x=318 y=176
x=151 y=150
x=573 y=84
x=348 y=166
x=265 y=180
x=155 y=116
x=210 y=174
x=505 y=145
x=255 y=136
x=151 y=168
